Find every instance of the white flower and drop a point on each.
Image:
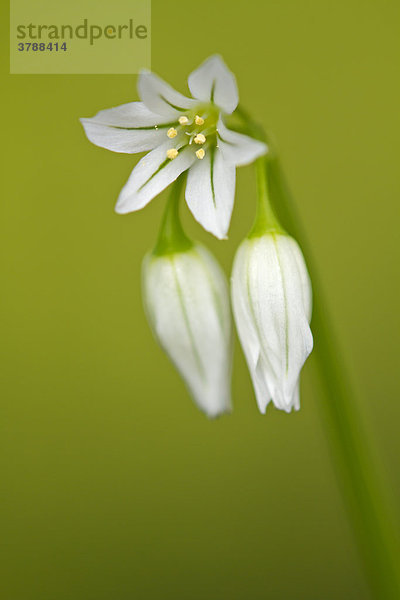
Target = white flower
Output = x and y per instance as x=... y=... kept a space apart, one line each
x=272 y=301
x=181 y=133
x=187 y=302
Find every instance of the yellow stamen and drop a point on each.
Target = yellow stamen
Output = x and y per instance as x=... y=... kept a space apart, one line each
x=172 y=153
x=199 y=120
x=183 y=120
x=200 y=154
x=172 y=132
x=200 y=138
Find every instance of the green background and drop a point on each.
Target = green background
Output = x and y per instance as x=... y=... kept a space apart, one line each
x=114 y=485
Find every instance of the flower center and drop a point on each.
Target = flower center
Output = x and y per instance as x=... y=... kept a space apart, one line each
x=194 y=128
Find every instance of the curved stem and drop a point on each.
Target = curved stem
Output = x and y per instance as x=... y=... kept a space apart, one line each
x=361 y=487
x=171 y=237
x=266 y=219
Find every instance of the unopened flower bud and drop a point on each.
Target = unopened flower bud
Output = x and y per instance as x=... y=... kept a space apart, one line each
x=187 y=303
x=272 y=301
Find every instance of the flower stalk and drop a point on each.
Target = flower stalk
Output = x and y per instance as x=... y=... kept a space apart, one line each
x=172 y=237
x=266 y=219
x=366 y=502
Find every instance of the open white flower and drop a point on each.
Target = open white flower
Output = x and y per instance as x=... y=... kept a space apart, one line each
x=181 y=133
x=272 y=301
x=187 y=304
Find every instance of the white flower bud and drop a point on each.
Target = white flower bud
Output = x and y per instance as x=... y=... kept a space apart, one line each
x=187 y=302
x=272 y=301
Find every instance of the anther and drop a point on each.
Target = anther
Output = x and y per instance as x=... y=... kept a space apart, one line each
x=172 y=132
x=183 y=120
x=172 y=153
x=200 y=138
x=199 y=120
x=200 y=154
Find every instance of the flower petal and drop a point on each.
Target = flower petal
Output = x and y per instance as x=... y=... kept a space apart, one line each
x=160 y=97
x=304 y=277
x=261 y=389
x=153 y=173
x=210 y=192
x=247 y=330
x=127 y=128
x=296 y=396
x=237 y=148
x=213 y=81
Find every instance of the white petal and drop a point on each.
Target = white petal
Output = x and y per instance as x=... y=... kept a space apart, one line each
x=160 y=97
x=213 y=81
x=245 y=322
x=127 y=128
x=237 y=148
x=298 y=260
x=153 y=173
x=247 y=331
x=187 y=302
x=210 y=192
x=261 y=389
x=296 y=397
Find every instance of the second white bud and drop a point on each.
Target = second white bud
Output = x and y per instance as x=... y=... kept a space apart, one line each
x=187 y=303
x=272 y=298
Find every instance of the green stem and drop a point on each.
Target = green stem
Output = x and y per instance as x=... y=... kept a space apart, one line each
x=266 y=219
x=171 y=237
x=361 y=487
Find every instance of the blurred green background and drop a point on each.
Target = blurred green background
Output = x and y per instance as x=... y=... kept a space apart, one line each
x=114 y=485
